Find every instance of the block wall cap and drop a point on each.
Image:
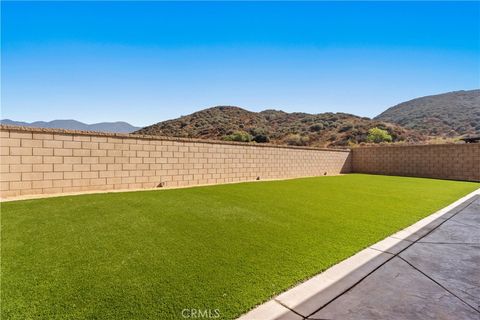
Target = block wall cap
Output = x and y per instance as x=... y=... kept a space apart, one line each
x=4 y=127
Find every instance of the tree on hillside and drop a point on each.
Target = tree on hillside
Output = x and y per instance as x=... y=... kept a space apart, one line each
x=378 y=135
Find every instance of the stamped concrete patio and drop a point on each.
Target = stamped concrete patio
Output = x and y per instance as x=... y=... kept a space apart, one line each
x=430 y=270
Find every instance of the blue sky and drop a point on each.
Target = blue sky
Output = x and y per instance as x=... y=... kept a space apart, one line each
x=145 y=62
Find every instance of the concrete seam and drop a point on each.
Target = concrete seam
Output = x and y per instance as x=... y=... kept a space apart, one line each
x=283 y=305
x=437 y=283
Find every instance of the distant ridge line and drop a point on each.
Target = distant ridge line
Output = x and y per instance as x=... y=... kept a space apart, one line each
x=118 y=126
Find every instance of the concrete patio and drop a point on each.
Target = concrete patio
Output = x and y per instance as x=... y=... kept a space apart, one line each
x=430 y=270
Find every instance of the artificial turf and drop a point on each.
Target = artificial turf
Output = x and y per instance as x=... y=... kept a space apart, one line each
x=151 y=254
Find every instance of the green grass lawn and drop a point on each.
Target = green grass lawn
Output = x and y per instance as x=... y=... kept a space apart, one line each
x=151 y=254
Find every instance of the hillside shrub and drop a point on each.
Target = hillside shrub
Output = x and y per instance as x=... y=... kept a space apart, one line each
x=259 y=135
x=240 y=136
x=345 y=127
x=378 y=135
x=332 y=137
x=316 y=127
x=296 y=140
x=261 y=138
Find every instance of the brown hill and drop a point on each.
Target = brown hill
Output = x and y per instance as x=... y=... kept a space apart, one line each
x=446 y=115
x=320 y=130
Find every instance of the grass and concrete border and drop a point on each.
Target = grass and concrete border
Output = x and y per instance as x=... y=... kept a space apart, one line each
x=308 y=297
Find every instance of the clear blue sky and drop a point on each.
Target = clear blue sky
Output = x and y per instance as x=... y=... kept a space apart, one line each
x=151 y=61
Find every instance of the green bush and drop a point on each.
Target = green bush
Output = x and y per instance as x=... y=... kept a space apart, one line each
x=240 y=136
x=378 y=135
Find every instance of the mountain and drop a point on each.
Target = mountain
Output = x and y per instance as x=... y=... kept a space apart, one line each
x=447 y=115
x=321 y=130
x=119 y=126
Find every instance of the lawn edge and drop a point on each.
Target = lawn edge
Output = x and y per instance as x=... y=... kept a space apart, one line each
x=80 y=193
x=307 y=297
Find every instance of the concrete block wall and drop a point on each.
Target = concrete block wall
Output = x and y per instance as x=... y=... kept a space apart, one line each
x=46 y=161
x=445 y=161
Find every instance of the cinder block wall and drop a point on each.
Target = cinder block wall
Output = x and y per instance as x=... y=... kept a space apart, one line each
x=43 y=161
x=446 y=161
